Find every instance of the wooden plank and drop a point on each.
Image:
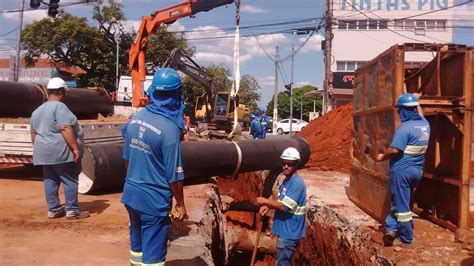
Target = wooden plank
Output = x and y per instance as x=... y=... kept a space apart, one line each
x=443 y=179
x=468 y=86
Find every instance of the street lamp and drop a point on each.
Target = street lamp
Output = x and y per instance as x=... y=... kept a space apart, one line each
x=117 y=41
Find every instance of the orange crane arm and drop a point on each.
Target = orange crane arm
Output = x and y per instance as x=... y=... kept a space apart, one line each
x=148 y=26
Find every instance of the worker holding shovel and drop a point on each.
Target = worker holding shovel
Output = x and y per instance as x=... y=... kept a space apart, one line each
x=290 y=208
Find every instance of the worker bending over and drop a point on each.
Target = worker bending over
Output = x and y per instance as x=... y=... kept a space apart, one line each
x=153 y=157
x=407 y=155
x=290 y=208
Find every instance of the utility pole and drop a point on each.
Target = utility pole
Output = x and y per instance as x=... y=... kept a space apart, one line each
x=291 y=88
x=327 y=55
x=275 y=96
x=117 y=77
x=301 y=111
x=16 y=72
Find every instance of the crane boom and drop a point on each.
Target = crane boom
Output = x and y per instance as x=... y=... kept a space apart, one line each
x=148 y=26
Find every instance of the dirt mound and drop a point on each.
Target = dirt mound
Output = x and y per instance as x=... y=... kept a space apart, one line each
x=330 y=138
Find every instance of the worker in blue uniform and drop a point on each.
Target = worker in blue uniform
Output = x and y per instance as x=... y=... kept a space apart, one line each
x=255 y=127
x=407 y=156
x=154 y=171
x=290 y=208
x=263 y=125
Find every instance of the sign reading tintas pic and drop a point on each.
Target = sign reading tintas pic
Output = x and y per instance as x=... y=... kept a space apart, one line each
x=342 y=80
x=393 y=5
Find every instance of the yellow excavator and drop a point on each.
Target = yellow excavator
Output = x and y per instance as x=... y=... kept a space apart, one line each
x=212 y=107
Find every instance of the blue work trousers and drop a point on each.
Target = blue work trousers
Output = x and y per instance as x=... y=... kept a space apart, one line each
x=400 y=218
x=285 y=249
x=148 y=237
x=68 y=174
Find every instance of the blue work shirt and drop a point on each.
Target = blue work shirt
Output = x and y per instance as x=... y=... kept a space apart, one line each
x=50 y=147
x=292 y=223
x=255 y=128
x=263 y=127
x=152 y=148
x=411 y=138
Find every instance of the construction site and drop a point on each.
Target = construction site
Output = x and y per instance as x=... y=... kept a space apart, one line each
x=347 y=189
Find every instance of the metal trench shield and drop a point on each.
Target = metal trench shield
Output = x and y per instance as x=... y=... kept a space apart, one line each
x=447 y=85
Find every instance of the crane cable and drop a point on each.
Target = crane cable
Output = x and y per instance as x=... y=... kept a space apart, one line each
x=236 y=82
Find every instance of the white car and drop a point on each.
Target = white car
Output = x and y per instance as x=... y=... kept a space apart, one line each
x=283 y=126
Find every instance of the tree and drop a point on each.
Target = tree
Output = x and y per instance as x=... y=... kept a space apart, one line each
x=69 y=40
x=284 y=103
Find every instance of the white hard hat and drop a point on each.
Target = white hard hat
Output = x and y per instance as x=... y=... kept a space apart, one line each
x=56 y=83
x=291 y=154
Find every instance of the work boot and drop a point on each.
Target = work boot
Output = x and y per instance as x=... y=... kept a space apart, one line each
x=77 y=215
x=58 y=214
x=388 y=238
x=399 y=243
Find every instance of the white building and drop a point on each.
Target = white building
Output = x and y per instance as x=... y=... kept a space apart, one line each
x=365 y=28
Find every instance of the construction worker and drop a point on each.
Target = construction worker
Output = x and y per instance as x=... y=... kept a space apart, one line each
x=255 y=127
x=58 y=148
x=290 y=208
x=407 y=155
x=154 y=172
x=263 y=125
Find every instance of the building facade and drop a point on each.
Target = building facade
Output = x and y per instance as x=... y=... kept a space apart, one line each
x=365 y=28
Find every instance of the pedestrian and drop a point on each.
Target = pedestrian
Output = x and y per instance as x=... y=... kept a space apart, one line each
x=290 y=208
x=255 y=127
x=407 y=155
x=58 y=147
x=152 y=155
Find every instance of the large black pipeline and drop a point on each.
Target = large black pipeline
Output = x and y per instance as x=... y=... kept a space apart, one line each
x=21 y=99
x=87 y=103
x=106 y=171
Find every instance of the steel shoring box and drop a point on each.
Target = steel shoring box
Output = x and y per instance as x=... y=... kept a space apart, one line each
x=447 y=85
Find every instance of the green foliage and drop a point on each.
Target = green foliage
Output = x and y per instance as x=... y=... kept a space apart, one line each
x=69 y=40
x=284 y=103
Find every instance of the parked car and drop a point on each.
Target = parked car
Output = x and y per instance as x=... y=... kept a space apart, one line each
x=283 y=126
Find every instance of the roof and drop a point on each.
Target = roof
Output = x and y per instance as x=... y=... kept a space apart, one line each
x=45 y=63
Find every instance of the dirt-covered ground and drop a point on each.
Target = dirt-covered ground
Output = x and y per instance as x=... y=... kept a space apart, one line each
x=339 y=232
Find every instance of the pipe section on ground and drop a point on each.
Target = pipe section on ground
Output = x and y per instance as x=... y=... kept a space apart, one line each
x=21 y=99
x=200 y=159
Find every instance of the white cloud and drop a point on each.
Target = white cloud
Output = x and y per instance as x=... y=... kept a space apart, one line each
x=313 y=44
x=252 y=9
x=266 y=81
x=302 y=84
x=177 y=26
x=28 y=16
x=131 y=25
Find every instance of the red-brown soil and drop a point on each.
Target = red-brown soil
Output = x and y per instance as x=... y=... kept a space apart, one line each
x=330 y=138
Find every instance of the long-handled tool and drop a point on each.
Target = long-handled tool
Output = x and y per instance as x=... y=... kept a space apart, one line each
x=257 y=240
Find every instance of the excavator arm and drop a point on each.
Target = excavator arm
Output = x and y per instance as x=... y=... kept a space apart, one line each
x=179 y=60
x=149 y=25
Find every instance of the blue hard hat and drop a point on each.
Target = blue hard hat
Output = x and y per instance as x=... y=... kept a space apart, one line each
x=165 y=79
x=407 y=100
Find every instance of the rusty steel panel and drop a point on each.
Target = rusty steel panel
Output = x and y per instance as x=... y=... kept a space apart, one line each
x=446 y=85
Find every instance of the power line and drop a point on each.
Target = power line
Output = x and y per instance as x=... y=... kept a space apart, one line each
x=44 y=7
x=11 y=31
x=438 y=10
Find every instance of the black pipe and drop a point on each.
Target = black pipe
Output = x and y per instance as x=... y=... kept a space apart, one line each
x=202 y=159
x=87 y=103
x=103 y=168
x=20 y=99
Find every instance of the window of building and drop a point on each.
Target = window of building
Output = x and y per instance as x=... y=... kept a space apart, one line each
x=373 y=24
x=353 y=24
x=430 y=24
x=419 y=25
x=383 y=24
x=341 y=65
x=363 y=24
x=398 y=24
x=351 y=66
x=342 y=25
x=441 y=24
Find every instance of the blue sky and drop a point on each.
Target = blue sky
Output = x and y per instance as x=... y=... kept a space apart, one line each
x=308 y=67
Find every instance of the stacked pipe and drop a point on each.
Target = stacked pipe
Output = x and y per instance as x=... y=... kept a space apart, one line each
x=21 y=99
x=103 y=167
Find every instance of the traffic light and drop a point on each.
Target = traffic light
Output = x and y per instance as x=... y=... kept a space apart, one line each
x=35 y=3
x=53 y=8
x=288 y=89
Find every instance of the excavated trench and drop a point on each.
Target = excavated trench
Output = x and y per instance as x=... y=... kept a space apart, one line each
x=332 y=238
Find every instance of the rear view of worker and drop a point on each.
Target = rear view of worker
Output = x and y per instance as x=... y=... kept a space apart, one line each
x=407 y=156
x=154 y=172
x=58 y=147
x=263 y=124
x=255 y=127
x=290 y=208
